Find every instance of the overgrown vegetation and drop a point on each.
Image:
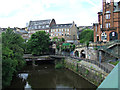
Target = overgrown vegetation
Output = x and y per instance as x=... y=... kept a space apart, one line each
x=86 y=36
x=12 y=55
x=114 y=63
x=59 y=66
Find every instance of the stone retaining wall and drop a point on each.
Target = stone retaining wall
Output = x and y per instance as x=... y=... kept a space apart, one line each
x=89 y=74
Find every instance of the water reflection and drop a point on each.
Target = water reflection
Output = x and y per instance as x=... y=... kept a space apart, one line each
x=46 y=76
x=27 y=86
x=23 y=76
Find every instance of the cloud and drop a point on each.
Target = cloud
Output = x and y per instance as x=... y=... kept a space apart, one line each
x=16 y=13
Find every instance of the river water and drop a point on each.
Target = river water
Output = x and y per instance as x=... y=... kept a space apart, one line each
x=46 y=76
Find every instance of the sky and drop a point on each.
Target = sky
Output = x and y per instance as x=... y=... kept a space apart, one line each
x=17 y=13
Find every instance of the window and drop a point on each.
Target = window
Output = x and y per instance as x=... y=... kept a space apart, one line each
x=103 y=36
x=56 y=30
x=107 y=16
x=101 y=26
x=65 y=30
x=47 y=26
x=107 y=25
x=62 y=30
x=113 y=34
x=51 y=30
x=68 y=30
x=59 y=30
x=56 y=34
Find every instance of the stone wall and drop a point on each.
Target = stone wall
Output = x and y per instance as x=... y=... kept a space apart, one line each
x=89 y=74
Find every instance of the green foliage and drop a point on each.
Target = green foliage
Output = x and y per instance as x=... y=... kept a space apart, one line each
x=114 y=63
x=12 y=55
x=55 y=39
x=86 y=72
x=86 y=36
x=62 y=39
x=39 y=43
x=59 y=66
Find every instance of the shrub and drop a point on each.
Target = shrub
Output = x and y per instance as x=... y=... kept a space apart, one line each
x=59 y=66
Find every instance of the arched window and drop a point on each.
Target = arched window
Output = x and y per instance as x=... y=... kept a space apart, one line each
x=113 y=36
x=103 y=36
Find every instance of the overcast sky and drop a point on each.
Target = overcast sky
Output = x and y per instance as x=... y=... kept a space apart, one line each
x=16 y=13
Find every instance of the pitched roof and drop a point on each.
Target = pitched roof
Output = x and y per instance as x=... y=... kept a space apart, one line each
x=62 y=26
x=39 y=24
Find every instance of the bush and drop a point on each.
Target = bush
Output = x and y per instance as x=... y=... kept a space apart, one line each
x=59 y=66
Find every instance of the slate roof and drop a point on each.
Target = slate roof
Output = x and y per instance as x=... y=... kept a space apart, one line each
x=62 y=26
x=39 y=24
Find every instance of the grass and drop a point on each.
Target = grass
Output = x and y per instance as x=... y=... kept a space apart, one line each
x=114 y=63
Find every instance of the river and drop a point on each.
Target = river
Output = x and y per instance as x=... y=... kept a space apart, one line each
x=46 y=76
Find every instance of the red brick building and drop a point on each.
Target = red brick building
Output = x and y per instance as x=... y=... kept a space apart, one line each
x=108 y=26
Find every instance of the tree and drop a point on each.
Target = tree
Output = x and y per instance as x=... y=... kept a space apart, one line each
x=55 y=39
x=12 y=55
x=39 y=43
x=86 y=36
x=62 y=39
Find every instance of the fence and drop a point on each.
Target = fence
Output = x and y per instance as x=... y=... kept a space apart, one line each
x=90 y=61
x=94 y=62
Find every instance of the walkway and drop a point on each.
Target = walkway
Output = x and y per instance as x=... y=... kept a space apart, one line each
x=92 y=66
x=110 y=67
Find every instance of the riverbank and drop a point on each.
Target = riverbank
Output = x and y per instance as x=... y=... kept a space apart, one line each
x=88 y=71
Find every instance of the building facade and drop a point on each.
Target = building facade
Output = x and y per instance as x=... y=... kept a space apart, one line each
x=40 y=25
x=66 y=31
x=108 y=26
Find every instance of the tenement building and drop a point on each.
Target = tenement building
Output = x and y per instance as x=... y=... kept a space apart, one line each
x=108 y=26
x=40 y=25
x=66 y=31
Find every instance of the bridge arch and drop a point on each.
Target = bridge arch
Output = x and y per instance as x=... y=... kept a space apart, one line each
x=83 y=55
x=77 y=53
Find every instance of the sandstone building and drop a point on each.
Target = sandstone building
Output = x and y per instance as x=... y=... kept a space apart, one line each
x=66 y=31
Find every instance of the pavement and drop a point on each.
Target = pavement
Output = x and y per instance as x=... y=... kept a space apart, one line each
x=108 y=66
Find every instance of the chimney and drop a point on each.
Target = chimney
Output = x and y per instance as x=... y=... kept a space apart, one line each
x=111 y=10
x=119 y=4
x=104 y=10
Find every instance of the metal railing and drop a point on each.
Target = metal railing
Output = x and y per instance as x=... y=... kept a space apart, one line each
x=105 y=69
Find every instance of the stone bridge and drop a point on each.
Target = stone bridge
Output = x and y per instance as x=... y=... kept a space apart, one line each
x=110 y=51
x=86 y=52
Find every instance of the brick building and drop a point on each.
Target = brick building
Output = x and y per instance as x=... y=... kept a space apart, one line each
x=108 y=26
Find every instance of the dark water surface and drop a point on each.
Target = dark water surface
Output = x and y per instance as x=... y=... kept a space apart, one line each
x=46 y=76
